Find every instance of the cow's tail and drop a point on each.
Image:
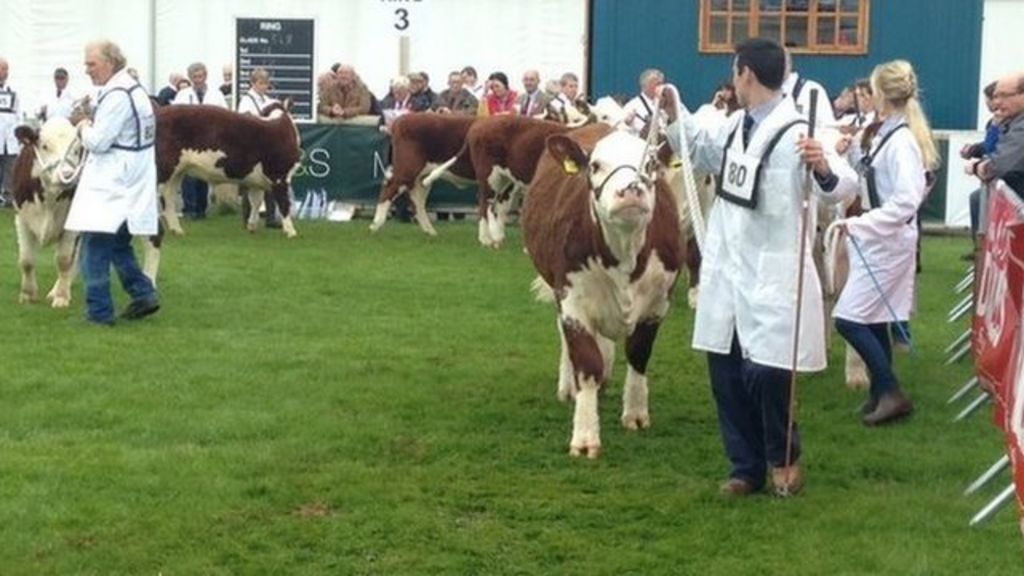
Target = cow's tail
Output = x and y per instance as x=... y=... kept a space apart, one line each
x=831 y=242
x=440 y=170
x=542 y=291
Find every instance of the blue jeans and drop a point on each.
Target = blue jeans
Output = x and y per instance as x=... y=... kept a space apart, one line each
x=871 y=341
x=99 y=251
x=753 y=414
x=194 y=197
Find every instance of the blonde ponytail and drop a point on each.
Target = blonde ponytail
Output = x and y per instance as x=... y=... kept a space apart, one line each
x=918 y=124
x=896 y=82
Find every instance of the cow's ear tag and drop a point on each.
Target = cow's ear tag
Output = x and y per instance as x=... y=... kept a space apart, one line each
x=570 y=166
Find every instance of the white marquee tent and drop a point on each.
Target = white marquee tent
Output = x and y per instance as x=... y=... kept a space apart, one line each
x=164 y=36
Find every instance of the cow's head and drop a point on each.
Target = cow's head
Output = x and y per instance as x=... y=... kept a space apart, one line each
x=621 y=171
x=59 y=154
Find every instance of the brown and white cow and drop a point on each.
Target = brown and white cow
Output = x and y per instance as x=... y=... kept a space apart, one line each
x=45 y=175
x=504 y=151
x=602 y=229
x=419 y=143
x=221 y=146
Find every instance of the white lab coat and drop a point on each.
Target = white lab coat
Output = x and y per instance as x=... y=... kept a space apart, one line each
x=10 y=116
x=825 y=114
x=886 y=235
x=253 y=102
x=642 y=107
x=118 y=184
x=750 y=260
x=58 y=106
x=212 y=97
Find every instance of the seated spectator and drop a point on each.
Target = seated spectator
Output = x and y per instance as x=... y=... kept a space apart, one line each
x=456 y=99
x=564 y=104
x=422 y=98
x=167 y=93
x=469 y=81
x=397 y=102
x=533 y=102
x=500 y=101
x=343 y=97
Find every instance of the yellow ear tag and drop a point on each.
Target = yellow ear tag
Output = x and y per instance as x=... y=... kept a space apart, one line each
x=570 y=166
x=677 y=164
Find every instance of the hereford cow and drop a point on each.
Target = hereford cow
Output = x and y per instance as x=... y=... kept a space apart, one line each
x=602 y=229
x=419 y=142
x=45 y=175
x=221 y=146
x=504 y=151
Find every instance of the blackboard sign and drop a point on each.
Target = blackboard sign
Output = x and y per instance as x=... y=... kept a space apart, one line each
x=284 y=47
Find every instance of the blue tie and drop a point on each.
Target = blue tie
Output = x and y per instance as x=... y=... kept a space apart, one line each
x=748 y=127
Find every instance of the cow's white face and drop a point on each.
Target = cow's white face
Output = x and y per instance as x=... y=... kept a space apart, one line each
x=608 y=111
x=622 y=173
x=59 y=154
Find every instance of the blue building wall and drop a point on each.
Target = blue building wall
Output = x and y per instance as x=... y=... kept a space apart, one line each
x=942 y=38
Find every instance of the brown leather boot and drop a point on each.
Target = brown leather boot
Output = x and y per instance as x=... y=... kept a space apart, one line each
x=891 y=407
x=787 y=481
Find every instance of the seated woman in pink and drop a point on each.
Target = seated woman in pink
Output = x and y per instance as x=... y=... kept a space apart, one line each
x=499 y=99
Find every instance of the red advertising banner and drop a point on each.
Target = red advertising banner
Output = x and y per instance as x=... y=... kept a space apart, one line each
x=996 y=336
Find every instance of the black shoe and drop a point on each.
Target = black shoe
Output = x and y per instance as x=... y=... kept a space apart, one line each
x=892 y=406
x=141 y=308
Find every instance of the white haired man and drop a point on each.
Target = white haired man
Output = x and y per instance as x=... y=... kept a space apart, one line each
x=640 y=109
x=116 y=197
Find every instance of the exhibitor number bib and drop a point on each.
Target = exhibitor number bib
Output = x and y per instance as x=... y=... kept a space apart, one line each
x=739 y=177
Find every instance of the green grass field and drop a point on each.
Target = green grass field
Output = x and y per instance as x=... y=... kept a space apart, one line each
x=352 y=404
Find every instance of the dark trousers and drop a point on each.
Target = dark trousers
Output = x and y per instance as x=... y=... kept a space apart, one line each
x=871 y=341
x=195 y=195
x=100 y=250
x=753 y=414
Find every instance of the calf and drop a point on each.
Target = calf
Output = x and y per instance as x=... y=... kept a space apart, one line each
x=221 y=146
x=45 y=175
x=602 y=229
x=504 y=151
x=419 y=142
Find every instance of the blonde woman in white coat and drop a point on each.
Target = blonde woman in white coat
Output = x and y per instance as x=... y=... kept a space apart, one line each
x=882 y=242
x=116 y=196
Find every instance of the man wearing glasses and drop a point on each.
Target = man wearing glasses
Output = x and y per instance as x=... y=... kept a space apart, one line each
x=1007 y=161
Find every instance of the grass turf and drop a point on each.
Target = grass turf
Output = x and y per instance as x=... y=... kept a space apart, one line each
x=347 y=403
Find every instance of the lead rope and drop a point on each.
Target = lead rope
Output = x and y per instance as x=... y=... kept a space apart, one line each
x=693 y=206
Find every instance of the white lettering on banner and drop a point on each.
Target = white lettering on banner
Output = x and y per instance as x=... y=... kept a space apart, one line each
x=740 y=174
x=319 y=163
x=275 y=26
x=315 y=163
x=379 y=169
x=993 y=286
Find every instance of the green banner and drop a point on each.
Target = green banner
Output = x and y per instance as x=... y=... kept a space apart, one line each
x=349 y=162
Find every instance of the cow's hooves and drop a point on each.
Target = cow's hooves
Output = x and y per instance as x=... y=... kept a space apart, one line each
x=859 y=384
x=292 y=234
x=60 y=302
x=636 y=421
x=26 y=298
x=374 y=228
x=592 y=452
x=691 y=298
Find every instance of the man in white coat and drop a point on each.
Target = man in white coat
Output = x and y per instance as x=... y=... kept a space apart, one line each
x=10 y=105
x=746 y=310
x=640 y=109
x=116 y=197
x=195 y=194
